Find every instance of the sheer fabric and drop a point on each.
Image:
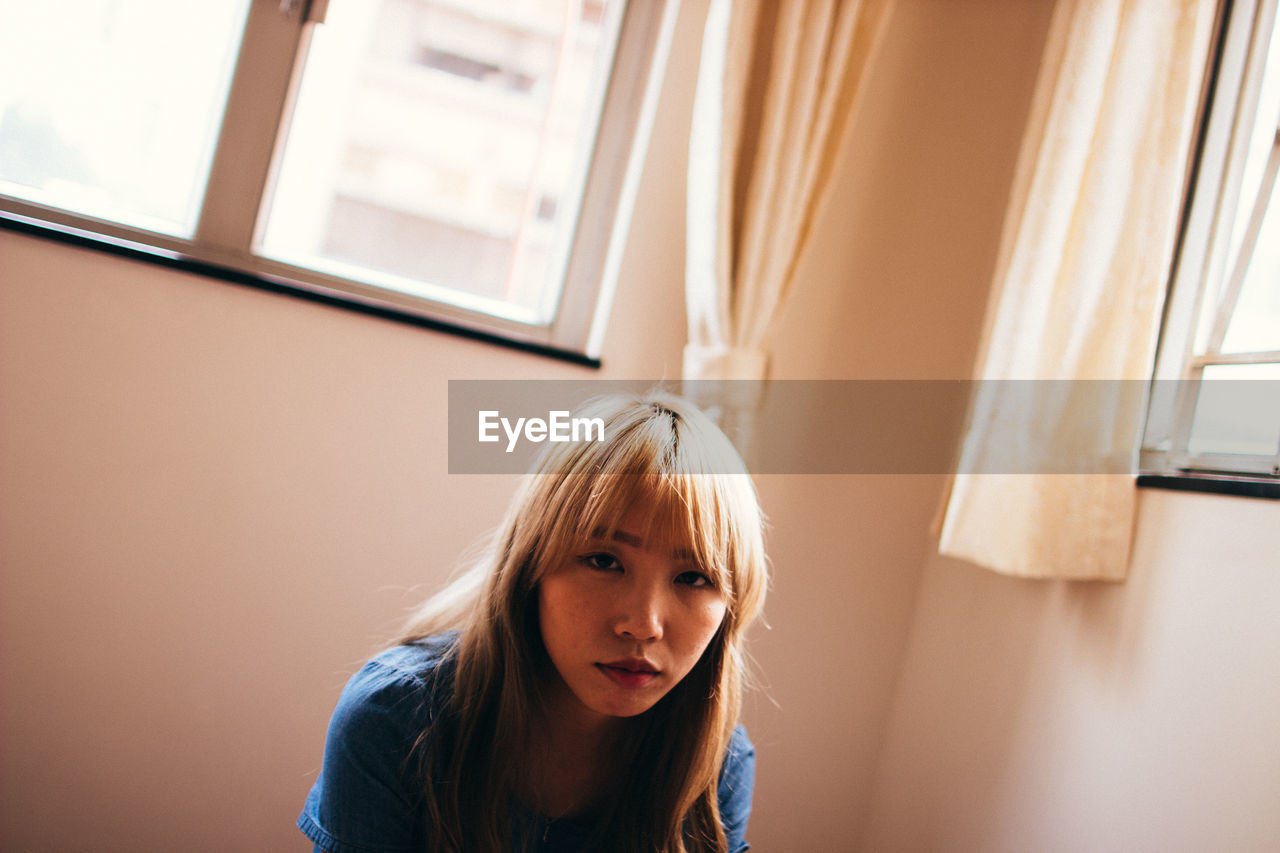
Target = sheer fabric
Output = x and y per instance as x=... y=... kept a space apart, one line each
x=1084 y=262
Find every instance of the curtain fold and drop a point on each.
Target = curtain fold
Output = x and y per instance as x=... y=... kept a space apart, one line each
x=778 y=82
x=1084 y=261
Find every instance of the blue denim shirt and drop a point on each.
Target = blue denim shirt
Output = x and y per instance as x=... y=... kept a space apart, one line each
x=367 y=798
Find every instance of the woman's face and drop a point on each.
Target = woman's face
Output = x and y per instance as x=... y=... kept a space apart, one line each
x=625 y=620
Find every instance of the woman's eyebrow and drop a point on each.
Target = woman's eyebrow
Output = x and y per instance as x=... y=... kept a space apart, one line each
x=635 y=541
x=619 y=536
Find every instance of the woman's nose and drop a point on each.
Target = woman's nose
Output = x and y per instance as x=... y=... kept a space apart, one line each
x=640 y=617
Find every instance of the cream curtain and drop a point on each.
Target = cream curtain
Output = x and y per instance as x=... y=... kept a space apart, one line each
x=777 y=84
x=1084 y=261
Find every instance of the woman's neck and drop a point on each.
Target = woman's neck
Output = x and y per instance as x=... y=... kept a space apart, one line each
x=574 y=760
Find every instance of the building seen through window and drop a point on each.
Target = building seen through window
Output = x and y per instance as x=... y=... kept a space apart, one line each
x=443 y=143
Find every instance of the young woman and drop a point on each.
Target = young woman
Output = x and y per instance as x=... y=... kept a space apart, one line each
x=579 y=689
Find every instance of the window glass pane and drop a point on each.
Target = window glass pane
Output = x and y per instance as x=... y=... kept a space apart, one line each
x=1255 y=323
x=1238 y=410
x=1259 y=141
x=439 y=147
x=111 y=108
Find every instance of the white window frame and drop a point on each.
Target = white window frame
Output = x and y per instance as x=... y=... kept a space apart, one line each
x=1231 y=99
x=264 y=83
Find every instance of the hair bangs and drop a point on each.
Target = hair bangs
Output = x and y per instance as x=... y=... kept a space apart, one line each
x=661 y=457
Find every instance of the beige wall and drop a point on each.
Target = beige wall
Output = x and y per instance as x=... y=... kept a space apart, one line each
x=215 y=502
x=894 y=287
x=1116 y=718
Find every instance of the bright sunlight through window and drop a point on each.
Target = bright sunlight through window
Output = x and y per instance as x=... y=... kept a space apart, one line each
x=111 y=108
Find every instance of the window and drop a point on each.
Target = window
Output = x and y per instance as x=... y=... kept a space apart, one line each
x=1215 y=405
x=88 y=126
x=470 y=162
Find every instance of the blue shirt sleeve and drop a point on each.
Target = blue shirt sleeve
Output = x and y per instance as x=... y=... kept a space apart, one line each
x=368 y=797
x=737 y=778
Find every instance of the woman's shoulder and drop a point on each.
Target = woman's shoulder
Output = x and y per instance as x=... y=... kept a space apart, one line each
x=368 y=784
x=737 y=780
x=408 y=682
x=422 y=660
x=739 y=761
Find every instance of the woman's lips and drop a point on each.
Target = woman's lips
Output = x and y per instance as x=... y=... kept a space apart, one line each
x=626 y=676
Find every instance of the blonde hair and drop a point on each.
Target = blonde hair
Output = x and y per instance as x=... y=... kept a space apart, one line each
x=658 y=448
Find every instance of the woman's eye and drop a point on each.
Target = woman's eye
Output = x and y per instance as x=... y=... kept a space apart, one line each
x=602 y=562
x=693 y=579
